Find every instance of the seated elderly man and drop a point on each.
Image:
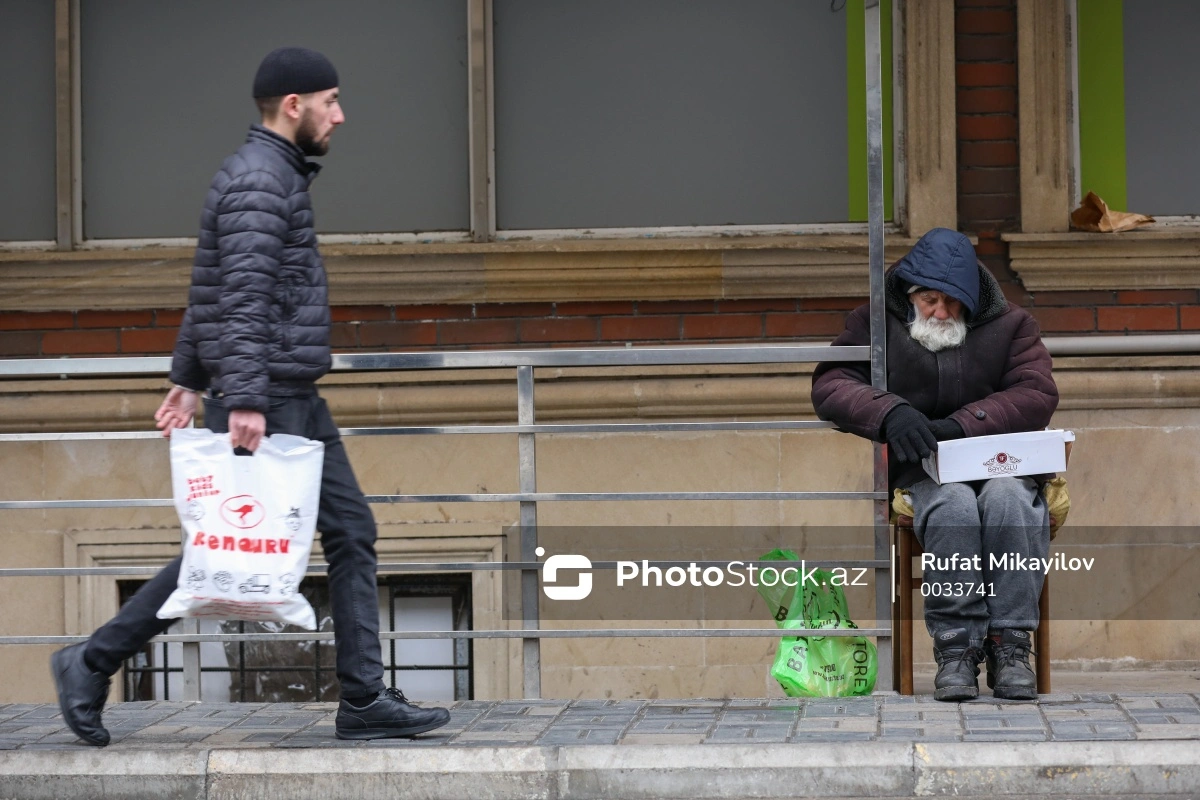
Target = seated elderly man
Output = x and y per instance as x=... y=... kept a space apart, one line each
x=961 y=361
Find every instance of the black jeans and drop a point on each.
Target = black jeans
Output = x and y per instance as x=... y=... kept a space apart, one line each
x=347 y=530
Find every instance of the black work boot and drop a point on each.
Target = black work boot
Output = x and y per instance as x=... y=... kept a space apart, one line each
x=1008 y=672
x=81 y=694
x=958 y=666
x=389 y=715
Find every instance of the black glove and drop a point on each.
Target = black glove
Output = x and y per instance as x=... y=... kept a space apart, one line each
x=907 y=431
x=945 y=429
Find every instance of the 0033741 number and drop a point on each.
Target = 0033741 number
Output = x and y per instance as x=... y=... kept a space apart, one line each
x=957 y=589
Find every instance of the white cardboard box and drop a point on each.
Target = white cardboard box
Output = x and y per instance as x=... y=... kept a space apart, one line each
x=982 y=457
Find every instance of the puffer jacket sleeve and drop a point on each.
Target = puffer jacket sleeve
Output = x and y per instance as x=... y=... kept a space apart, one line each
x=1027 y=396
x=842 y=391
x=186 y=369
x=252 y=225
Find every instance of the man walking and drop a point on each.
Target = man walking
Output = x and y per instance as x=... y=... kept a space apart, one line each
x=254 y=339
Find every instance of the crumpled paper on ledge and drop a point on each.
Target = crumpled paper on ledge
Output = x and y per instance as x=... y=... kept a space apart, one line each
x=1094 y=214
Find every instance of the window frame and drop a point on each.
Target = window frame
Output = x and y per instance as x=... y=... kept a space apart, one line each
x=481 y=161
x=456 y=586
x=1075 y=162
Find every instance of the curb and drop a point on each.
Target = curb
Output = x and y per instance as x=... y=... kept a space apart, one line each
x=599 y=772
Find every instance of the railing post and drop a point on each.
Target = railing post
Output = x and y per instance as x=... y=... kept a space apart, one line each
x=191 y=661
x=191 y=651
x=884 y=591
x=531 y=649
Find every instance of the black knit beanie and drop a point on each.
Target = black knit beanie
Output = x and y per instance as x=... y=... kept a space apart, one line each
x=294 y=70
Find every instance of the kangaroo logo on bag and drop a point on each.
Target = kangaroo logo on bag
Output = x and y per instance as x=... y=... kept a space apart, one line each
x=242 y=512
x=248 y=527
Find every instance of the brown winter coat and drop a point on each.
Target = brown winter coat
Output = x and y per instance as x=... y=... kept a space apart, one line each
x=997 y=381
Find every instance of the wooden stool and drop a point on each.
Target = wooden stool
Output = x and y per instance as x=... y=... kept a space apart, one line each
x=907 y=548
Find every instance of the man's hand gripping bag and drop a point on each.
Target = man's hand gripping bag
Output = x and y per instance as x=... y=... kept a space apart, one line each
x=248 y=524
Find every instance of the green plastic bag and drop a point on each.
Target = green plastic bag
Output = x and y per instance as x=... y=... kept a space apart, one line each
x=816 y=666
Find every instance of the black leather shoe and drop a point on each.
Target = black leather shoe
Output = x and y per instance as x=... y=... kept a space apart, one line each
x=1009 y=675
x=81 y=694
x=390 y=715
x=958 y=666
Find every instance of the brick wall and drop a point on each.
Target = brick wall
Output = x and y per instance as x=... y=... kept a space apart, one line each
x=83 y=333
x=448 y=327
x=989 y=200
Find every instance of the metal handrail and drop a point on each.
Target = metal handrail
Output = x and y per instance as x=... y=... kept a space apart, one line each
x=536 y=633
x=524 y=362
x=673 y=355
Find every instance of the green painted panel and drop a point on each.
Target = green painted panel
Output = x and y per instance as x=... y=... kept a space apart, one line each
x=1101 y=64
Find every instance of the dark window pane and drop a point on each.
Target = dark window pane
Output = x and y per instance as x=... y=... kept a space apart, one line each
x=27 y=204
x=626 y=113
x=166 y=97
x=1161 y=120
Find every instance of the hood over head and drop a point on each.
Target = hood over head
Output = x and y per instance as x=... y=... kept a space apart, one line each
x=944 y=260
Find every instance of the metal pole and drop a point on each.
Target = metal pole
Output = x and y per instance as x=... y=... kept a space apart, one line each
x=526 y=453
x=191 y=650
x=191 y=661
x=477 y=99
x=884 y=589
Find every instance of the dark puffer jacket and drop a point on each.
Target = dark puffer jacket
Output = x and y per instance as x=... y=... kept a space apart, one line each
x=997 y=381
x=257 y=323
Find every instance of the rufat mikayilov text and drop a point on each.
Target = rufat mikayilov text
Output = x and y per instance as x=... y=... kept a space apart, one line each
x=737 y=573
x=1006 y=561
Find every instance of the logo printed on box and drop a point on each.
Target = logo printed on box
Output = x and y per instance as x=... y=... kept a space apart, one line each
x=1002 y=463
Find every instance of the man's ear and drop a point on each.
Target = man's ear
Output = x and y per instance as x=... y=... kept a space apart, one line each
x=290 y=106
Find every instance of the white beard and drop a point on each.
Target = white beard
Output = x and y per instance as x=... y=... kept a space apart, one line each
x=937 y=334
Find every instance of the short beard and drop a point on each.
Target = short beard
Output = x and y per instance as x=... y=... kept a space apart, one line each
x=935 y=334
x=306 y=138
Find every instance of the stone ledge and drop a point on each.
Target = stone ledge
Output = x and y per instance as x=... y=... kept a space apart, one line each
x=769 y=391
x=1158 y=258
x=817 y=265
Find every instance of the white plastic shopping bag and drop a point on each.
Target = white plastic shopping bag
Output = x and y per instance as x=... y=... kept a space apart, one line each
x=248 y=525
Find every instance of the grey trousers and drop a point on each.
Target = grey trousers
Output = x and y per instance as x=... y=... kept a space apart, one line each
x=967 y=528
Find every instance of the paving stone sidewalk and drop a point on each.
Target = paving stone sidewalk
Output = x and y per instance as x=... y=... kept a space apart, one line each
x=883 y=718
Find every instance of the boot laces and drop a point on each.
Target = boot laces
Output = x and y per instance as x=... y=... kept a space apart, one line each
x=1012 y=653
x=975 y=654
x=397 y=695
